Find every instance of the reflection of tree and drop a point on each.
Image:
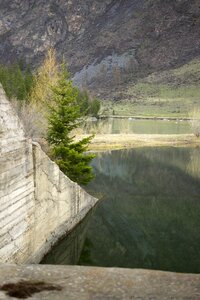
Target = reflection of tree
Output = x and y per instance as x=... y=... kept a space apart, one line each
x=68 y=250
x=193 y=166
x=115 y=125
x=96 y=127
x=85 y=258
x=108 y=126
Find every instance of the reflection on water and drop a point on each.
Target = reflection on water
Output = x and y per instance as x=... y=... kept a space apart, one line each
x=67 y=251
x=130 y=125
x=150 y=213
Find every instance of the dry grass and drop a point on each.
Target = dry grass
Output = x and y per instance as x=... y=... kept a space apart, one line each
x=120 y=141
x=32 y=118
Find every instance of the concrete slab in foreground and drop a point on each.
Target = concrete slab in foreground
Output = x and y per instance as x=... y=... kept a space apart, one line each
x=74 y=282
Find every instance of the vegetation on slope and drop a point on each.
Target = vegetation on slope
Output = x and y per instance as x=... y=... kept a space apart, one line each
x=51 y=107
x=16 y=80
x=172 y=93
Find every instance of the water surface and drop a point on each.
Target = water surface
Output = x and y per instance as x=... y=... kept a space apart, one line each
x=149 y=213
x=130 y=125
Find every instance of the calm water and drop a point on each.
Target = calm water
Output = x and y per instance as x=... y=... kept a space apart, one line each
x=113 y=125
x=148 y=215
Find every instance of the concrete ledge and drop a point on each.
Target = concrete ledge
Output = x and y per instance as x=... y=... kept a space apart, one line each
x=75 y=282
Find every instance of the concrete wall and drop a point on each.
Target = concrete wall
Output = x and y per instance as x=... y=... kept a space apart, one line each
x=38 y=203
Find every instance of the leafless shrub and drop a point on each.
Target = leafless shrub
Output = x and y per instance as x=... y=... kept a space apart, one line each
x=32 y=118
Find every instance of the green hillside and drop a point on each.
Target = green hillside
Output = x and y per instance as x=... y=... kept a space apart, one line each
x=169 y=93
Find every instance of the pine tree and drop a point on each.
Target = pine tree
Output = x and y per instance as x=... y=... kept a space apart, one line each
x=89 y=106
x=63 y=118
x=16 y=82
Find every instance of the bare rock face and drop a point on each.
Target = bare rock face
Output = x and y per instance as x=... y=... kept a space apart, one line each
x=105 y=43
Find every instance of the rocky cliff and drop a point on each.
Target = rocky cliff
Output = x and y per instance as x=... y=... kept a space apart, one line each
x=108 y=43
x=38 y=203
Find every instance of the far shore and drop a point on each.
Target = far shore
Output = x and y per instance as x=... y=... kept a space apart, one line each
x=178 y=118
x=102 y=142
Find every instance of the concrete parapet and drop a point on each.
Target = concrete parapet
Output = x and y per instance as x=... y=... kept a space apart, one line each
x=74 y=282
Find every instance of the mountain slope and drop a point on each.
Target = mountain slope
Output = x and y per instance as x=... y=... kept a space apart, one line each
x=107 y=44
x=171 y=93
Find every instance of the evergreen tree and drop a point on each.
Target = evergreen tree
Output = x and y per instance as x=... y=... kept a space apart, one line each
x=64 y=117
x=29 y=81
x=94 y=107
x=89 y=106
x=83 y=101
x=16 y=82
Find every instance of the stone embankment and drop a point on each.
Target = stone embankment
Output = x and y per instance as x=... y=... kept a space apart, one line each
x=38 y=203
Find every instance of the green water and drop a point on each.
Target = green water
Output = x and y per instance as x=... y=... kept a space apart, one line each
x=130 y=125
x=148 y=215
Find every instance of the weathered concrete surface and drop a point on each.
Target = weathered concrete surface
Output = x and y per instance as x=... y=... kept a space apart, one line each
x=17 y=203
x=60 y=204
x=102 y=283
x=38 y=203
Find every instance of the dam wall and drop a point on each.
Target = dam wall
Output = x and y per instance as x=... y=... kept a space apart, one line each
x=38 y=203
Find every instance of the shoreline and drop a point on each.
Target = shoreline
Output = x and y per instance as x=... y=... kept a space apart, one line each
x=102 y=142
x=145 y=118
